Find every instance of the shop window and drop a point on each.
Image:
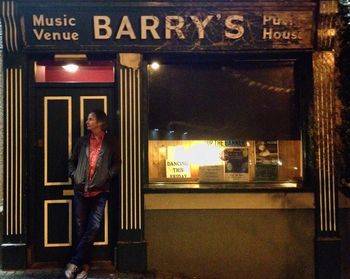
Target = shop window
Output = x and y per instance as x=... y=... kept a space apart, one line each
x=74 y=71
x=224 y=124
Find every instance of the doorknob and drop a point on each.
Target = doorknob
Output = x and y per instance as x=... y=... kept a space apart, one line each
x=67 y=193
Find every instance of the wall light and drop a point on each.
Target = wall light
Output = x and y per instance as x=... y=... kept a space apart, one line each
x=155 y=65
x=72 y=68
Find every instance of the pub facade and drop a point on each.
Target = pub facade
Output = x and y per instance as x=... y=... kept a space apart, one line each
x=225 y=115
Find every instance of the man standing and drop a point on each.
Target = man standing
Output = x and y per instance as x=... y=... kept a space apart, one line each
x=93 y=164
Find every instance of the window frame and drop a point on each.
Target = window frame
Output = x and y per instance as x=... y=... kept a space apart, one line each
x=304 y=95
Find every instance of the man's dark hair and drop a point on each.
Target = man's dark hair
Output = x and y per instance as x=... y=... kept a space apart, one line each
x=102 y=118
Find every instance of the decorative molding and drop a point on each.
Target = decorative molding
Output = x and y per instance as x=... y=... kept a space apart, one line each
x=131 y=60
x=105 y=240
x=10 y=26
x=14 y=154
x=327 y=24
x=46 y=223
x=46 y=143
x=130 y=134
x=324 y=106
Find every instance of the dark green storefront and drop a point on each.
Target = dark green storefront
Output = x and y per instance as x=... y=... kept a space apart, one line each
x=227 y=143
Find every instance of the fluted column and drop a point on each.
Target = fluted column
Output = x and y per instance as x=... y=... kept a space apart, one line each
x=130 y=237
x=14 y=235
x=324 y=103
x=327 y=239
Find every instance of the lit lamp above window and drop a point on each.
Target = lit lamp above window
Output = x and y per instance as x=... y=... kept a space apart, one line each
x=155 y=65
x=71 y=68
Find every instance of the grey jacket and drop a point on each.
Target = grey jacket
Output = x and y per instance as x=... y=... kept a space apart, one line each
x=107 y=165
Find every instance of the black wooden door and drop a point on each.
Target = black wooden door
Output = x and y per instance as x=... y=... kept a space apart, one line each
x=60 y=115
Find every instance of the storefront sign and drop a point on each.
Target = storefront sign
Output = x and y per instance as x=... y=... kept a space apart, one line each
x=170 y=29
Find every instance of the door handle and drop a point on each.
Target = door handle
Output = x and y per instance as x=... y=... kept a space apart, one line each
x=68 y=193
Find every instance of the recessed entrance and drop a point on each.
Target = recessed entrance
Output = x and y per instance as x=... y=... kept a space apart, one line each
x=60 y=102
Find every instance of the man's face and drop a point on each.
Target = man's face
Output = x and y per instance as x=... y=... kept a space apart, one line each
x=91 y=123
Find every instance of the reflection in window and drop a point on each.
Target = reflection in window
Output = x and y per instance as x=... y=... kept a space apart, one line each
x=214 y=123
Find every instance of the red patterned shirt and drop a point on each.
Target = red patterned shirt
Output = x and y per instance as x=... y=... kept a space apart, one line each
x=95 y=148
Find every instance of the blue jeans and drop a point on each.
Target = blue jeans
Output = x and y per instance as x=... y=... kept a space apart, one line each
x=88 y=216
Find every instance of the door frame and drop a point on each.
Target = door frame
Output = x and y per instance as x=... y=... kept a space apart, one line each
x=31 y=145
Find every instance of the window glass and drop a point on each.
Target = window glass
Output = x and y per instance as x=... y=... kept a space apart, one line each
x=224 y=123
x=74 y=71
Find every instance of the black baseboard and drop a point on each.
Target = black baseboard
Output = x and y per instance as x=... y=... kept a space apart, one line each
x=13 y=256
x=131 y=256
x=328 y=258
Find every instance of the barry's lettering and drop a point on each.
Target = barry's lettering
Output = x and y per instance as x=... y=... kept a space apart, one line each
x=223 y=29
x=174 y=26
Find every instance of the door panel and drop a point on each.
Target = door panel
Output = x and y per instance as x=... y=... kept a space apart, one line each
x=57 y=139
x=57 y=231
x=60 y=121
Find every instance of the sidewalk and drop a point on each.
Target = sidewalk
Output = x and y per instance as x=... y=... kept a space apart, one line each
x=56 y=273
x=59 y=274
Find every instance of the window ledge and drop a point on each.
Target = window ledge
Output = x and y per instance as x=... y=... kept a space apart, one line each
x=222 y=201
x=290 y=187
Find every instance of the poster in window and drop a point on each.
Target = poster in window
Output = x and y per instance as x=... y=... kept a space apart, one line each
x=266 y=160
x=178 y=169
x=214 y=173
x=236 y=164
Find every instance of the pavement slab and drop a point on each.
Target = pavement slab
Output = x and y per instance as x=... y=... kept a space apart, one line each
x=58 y=273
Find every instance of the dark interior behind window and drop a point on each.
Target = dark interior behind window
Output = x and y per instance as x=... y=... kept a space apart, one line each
x=245 y=101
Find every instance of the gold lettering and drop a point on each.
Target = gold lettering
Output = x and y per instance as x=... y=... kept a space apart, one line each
x=38 y=21
x=72 y=21
x=201 y=25
x=38 y=35
x=151 y=28
x=237 y=30
x=55 y=36
x=125 y=29
x=102 y=29
x=177 y=27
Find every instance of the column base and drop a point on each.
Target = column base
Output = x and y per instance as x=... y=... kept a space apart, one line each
x=131 y=256
x=13 y=256
x=328 y=258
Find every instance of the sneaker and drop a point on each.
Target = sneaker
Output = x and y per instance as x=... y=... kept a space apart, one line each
x=71 y=270
x=83 y=272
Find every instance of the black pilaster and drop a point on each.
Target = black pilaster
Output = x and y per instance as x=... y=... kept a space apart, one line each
x=130 y=251
x=14 y=246
x=327 y=241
